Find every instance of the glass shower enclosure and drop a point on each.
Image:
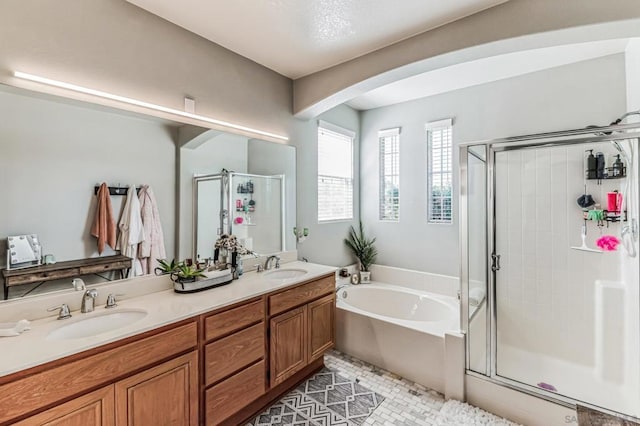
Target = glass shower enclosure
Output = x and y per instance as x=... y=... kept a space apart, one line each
x=549 y=306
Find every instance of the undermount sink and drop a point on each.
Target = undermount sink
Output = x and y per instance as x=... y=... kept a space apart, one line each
x=285 y=274
x=96 y=324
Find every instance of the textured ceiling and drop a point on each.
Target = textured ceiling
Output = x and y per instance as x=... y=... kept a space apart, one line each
x=300 y=37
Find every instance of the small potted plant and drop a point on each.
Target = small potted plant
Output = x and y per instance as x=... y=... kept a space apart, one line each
x=186 y=274
x=364 y=249
x=165 y=267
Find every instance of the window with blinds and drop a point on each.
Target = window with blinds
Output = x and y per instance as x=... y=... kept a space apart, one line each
x=389 y=140
x=439 y=172
x=335 y=173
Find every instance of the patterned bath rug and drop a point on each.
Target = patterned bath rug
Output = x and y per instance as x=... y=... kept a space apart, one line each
x=325 y=399
x=349 y=399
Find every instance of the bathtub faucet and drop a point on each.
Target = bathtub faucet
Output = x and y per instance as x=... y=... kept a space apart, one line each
x=341 y=286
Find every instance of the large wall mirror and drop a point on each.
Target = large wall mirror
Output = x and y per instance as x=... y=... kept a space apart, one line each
x=56 y=150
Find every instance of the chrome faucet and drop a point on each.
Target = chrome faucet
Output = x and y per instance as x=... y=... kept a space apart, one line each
x=64 y=312
x=341 y=286
x=78 y=284
x=267 y=264
x=88 y=300
x=111 y=301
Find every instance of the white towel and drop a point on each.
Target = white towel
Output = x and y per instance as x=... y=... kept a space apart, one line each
x=14 y=328
x=152 y=248
x=476 y=296
x=130 y=225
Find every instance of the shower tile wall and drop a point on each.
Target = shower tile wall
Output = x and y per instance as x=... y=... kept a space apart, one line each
x=546 y=292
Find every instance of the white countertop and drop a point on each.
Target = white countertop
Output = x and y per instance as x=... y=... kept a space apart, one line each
x=32 y=347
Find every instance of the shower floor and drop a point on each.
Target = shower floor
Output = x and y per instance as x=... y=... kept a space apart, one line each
x=579 y=382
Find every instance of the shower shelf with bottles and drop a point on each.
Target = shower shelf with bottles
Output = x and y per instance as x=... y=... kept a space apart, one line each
x=245 y=206
x=596 y=169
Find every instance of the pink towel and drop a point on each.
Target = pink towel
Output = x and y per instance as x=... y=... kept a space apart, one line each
x=104 y=228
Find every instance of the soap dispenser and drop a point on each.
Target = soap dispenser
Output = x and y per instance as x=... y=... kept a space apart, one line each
x=618 y=167
x=591 y=165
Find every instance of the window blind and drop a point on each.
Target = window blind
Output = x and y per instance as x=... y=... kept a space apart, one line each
x=335 y=174
x=440 y=172
x=389 y=201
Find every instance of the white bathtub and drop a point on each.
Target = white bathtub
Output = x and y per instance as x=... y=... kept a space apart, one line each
x=397 y=328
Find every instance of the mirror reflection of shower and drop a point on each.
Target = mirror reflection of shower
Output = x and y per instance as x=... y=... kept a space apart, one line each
x=249 y=206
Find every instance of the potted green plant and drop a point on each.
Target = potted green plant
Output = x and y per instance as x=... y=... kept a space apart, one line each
x=364 y=249
x=165 y=267
x=186 y=274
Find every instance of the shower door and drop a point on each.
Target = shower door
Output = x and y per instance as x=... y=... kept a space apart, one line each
x=558 y=321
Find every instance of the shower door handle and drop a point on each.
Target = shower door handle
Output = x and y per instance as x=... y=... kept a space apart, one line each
x=495 y=265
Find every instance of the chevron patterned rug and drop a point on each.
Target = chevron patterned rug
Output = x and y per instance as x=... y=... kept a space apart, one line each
x=327 y=398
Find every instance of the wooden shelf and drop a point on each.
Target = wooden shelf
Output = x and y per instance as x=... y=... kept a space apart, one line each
x=67 y=269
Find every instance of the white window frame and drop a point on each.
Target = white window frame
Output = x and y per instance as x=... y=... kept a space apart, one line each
x=349 y=181
x=389 y=136
x=446 y=170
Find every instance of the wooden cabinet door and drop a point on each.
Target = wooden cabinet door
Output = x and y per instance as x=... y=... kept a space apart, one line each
x=288 y=344
x=93 y=409
x=163 y=395
x=321 y=325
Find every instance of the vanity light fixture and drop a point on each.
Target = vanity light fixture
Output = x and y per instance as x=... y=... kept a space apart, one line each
x=118 y=98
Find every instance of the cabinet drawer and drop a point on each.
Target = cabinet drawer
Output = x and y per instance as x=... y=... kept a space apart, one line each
x=228 y=355
x=300 y=295
x=92 y=269
x=234 y=319
x=233 y=394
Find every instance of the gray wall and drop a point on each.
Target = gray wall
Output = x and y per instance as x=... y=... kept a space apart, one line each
x=53 y=154
x=324 y=244
x=573 y=96
x=117 y=47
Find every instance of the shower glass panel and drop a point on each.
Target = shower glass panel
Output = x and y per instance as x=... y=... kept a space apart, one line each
x=477 y=245
x=251 y=207
x=208 y=215
x=566 y=318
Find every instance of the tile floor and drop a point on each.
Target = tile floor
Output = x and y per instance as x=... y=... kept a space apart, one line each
x=351 y=392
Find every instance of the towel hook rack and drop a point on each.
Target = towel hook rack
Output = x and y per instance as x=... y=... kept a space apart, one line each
x=116 y=190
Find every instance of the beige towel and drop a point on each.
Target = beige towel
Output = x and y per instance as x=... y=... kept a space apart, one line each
x=104 y=227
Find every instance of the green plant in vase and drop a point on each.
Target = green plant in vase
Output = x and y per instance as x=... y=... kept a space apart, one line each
x=364 y=250
x=165 y=267
x=186 y=274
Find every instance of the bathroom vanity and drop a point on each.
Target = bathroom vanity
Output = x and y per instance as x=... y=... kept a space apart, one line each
x=217 y=357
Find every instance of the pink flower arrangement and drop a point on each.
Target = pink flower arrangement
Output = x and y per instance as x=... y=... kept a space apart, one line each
x=607 y=242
